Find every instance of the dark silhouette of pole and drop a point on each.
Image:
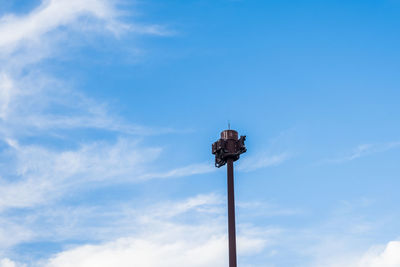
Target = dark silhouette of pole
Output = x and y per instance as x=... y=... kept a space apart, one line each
x=231 y=215
x=227 y=150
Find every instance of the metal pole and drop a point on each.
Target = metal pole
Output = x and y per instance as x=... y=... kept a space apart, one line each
x=227 y=150
x=231 y=215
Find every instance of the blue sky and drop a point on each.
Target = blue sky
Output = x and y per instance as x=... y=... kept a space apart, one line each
x=108 y=110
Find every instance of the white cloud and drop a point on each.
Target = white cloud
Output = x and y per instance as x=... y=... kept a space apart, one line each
x=165 y=239
x=51 y=14
x=5 y=94
x=9 y=263
x=139 y=252
x=201 y=203
x=365 y=150
x=28 y=95
x=389 y=257
x=42 y=33
x=343 y=238
x=37 y=106
x=199 y=252
x=12 y=233
x=191 y=169
x=189 y=232
x=261 y=161
x=263 y=209
x=377 y=256
x=29 y=38
x=46 y=174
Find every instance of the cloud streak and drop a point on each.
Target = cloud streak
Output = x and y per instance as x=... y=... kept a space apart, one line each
x=47 y=17
x=365 y=150
x=163 y=234
x=36 y=106
x=51 y=15
x=253 y=163
x=166 y=242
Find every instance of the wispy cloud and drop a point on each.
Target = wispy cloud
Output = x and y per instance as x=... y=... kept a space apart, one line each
x=38 y=106
x=263 y=209
x=45 y=174
x=29 y=30
x=192 y=232
x=191 y=169
x=364 y=150
x=343 y=237
x=375 y=256
x=255 y=162
x=29 y=38
x=158 y=235
x=30 y=99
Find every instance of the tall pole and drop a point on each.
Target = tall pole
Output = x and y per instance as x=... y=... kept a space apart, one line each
x=231 y=215
x=226 y=151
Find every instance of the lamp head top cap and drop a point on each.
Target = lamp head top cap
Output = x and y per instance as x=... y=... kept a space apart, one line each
x=229 y=134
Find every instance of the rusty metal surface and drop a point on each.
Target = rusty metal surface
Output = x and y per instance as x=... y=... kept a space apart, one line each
x=229 y=134
x=228 y=147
